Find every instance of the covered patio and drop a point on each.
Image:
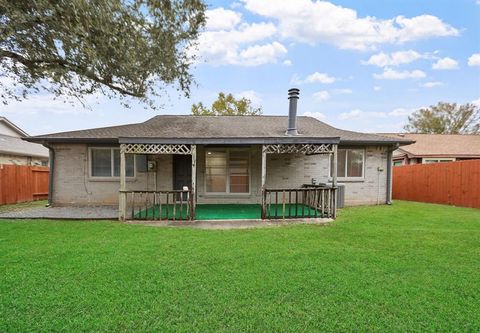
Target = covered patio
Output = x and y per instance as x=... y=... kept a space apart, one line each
x=302 y=202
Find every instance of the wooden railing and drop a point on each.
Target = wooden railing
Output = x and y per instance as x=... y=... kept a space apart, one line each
x=299 y=203
x=160 y=205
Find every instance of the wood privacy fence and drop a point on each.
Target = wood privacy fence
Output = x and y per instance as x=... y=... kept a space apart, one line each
x=20 y=183
x=450 y=183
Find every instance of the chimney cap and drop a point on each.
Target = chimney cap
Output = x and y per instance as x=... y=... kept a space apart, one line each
x=293 y=92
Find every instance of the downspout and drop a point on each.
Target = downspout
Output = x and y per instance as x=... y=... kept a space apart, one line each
x=389 y=173
x=51 y=158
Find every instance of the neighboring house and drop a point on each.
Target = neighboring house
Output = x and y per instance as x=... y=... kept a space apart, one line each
x=14 y=150
x=219 y=160
x=434 y=148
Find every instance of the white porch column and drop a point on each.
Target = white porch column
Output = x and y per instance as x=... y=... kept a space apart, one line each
x=334 y=180
x=335 y=162
x=122 y=199
x=264 y=179
x=193 y=150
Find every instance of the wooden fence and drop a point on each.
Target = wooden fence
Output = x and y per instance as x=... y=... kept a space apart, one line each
x=450 y=183
x=20 y=183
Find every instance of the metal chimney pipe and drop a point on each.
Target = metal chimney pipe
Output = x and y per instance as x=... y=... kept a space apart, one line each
x=293 y=95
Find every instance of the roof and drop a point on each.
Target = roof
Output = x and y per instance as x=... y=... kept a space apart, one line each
x=439 y=145
x=218 y=129
x=16 y=146
x=14 y=128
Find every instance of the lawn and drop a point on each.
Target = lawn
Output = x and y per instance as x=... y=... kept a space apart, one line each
x=406 y=267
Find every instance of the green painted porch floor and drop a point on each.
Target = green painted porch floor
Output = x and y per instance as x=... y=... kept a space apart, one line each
x=222 y=211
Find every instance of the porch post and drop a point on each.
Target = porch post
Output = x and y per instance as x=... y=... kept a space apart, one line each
x=122 y=200
x=334 y=181
x=264 y=178
x=193 y=150
x=335 y=162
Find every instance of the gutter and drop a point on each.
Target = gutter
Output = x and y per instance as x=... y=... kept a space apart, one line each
x=51 y=159
x=389 y=173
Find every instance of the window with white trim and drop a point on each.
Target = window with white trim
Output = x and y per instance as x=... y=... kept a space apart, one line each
x=227 y=171
x=105 y=162
x=437 y=160
x=350 y=163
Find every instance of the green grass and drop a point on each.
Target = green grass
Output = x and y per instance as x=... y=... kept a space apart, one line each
x=406 y=267
x=22 y=205
x=224 y=211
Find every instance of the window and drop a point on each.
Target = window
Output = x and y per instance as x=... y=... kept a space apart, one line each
x=397 y=163
x=349 y=163
x=437 y=160
x=227 y=171
x=44 y=163
x=105 y=162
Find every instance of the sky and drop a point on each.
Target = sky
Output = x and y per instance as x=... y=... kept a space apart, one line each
x=360 y=65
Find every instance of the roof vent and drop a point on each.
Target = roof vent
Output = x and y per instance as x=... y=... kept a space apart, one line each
x=293 y=95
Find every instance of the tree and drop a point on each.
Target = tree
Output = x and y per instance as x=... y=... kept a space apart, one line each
x=227 y=105
x=81 y=47
x=445 y=118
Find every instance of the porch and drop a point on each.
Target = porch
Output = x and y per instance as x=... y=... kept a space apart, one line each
x=297 y=202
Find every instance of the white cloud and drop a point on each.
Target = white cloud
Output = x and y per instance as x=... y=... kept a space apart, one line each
x=394 y=59
x=318 y=115
x=262 y=54
x=287 y=62
x=431 y=84
x=474 y=59
x=314 y=78
x=401 y=112
x=445 y=64
x=391 y=74
x=252 y=95
x=322 y=95
x=47 y=104
x=321 y=21
x=222 y=19
x=342 y=91
x=377 y=88
x=357 y=114
x=243 y=44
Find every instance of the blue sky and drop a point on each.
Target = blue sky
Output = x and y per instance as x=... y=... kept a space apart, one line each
x=360 y=65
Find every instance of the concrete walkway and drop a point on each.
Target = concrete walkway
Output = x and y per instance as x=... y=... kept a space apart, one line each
x=231 y=224
x=64 y=213
x=111 y=213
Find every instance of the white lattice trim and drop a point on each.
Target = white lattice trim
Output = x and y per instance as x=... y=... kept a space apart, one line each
x=154 y=148
x=304 y=148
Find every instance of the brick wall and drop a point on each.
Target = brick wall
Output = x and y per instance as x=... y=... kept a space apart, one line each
x=72 y=184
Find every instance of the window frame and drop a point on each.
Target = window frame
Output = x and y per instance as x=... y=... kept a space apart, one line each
x=346 y=178
x=431 y=160
x=112 y=167
x=228 y=175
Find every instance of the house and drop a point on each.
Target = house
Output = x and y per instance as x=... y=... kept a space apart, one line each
x=285 y=166
x=433 y=148
x=14 y=150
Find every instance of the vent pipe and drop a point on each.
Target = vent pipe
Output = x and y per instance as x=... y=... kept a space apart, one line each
x=293 y=95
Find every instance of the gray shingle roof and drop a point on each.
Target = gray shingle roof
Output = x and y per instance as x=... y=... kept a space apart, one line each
x=16 y=146
x=185 y=128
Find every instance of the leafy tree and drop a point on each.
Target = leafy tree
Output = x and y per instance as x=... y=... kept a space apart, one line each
x=227 y=105
x=117 y=48
x=445 y=118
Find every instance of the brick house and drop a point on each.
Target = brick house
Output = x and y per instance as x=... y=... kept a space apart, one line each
x=14 y=150
x=285 y=166
x=434 y=148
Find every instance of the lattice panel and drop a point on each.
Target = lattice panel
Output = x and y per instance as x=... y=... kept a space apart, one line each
x=154 y=148
x=303 y=148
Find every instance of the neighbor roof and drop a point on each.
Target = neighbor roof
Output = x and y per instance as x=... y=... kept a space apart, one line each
x=218 y=129
x=13 y=127
x=11 y=145
x=439 y=145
